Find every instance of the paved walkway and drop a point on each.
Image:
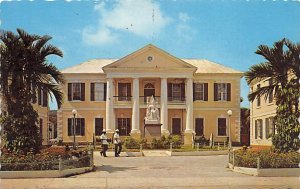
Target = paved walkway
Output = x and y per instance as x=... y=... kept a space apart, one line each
x=158 y=172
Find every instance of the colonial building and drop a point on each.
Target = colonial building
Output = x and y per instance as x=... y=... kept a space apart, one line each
x=193 y=96
x=262 y=113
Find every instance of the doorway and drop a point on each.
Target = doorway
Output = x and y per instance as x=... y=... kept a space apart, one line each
x=176 y=126
x=149 y=91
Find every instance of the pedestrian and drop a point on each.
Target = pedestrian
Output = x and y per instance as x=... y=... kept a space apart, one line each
x=104 y=143
x=118 y=144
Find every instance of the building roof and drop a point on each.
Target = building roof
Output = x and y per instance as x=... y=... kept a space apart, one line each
x=205 y=66
x=90 y=66
x=96 y=65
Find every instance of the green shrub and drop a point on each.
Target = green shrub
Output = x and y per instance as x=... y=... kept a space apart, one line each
x=164 y=143
x=131 y=143
x=48 y=159
x=268 y=159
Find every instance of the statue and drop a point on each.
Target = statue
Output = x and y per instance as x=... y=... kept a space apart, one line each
x=152 y=114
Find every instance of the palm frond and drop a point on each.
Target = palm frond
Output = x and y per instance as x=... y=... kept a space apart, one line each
x=265 y=91
x=50 y=50
x=259 y=72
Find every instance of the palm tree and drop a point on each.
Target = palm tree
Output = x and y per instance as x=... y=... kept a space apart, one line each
x=25 y=71
x=275 y=68
x=280 y=68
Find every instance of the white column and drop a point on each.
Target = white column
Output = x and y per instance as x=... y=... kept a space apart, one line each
x=109 y=105
x=135 y=107
x=189 y=106
x=164 y=106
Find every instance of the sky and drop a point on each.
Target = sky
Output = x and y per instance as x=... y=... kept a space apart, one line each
x=225 y=32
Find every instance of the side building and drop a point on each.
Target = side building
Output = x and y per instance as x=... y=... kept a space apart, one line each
x=262 y=113
x=193 y=97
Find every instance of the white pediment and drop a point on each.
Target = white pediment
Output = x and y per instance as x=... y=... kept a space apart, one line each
x=147 y=58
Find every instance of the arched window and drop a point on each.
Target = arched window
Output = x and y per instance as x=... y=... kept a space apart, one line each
x=149 y=86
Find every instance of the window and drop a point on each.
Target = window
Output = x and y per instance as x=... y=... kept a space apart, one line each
x=98 y=126
x=222 y=127
x=76 y=91
x=124 y=91
x=222 y=92
x=98 y=91
x=258 y=129
x=41 y=129
x=271 y=97
x=176 y=91
x=79 y=126
x=200 y=91
x=199 y=127
x=270 y=127
x=258 y=97
x=42 y=98
x=124 y=126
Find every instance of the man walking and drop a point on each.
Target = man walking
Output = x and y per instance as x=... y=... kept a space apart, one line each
x=104 y=142
x=118 y=144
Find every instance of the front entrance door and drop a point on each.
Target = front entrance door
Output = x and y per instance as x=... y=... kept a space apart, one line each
x=176 y=126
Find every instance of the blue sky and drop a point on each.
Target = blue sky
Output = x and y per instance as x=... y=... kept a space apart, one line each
x=226 y=32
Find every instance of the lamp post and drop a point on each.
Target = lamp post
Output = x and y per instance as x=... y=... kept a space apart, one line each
x=74 y=112
x=229 y=113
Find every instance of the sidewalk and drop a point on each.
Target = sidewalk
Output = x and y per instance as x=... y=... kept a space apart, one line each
x=157 y=172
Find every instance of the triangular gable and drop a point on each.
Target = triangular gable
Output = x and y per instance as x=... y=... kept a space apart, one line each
x=149 y=56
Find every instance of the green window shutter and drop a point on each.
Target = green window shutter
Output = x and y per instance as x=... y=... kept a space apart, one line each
x=215 y=92
x=92 y=95
x=82 y=125
x=82 y=91
x=182 y=87
x=69 y=91
x=105 y=89
x=228 y=91
x=205 y=91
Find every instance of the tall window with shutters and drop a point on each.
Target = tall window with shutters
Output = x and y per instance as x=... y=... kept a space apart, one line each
x=98 y=126
x=124 y=91
x=200 y=91
x=76 y=91
x=98 y=92
x=222 y=91
x=79 y=126
x=176 y=92
x=222 y=128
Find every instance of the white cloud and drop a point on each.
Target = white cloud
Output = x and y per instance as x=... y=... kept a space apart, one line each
x=131 y=16
x=183 y=29
x=102 y=35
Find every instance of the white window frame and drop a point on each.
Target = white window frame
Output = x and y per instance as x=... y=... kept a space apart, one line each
x=222 y=91
x=97 y=94
x=199 y=88
x=73 y=91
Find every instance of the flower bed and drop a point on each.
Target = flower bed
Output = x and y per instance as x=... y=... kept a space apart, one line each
x=53 y=158
x=265 y=159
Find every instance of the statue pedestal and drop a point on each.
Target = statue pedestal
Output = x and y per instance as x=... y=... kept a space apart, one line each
x=152 y=131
